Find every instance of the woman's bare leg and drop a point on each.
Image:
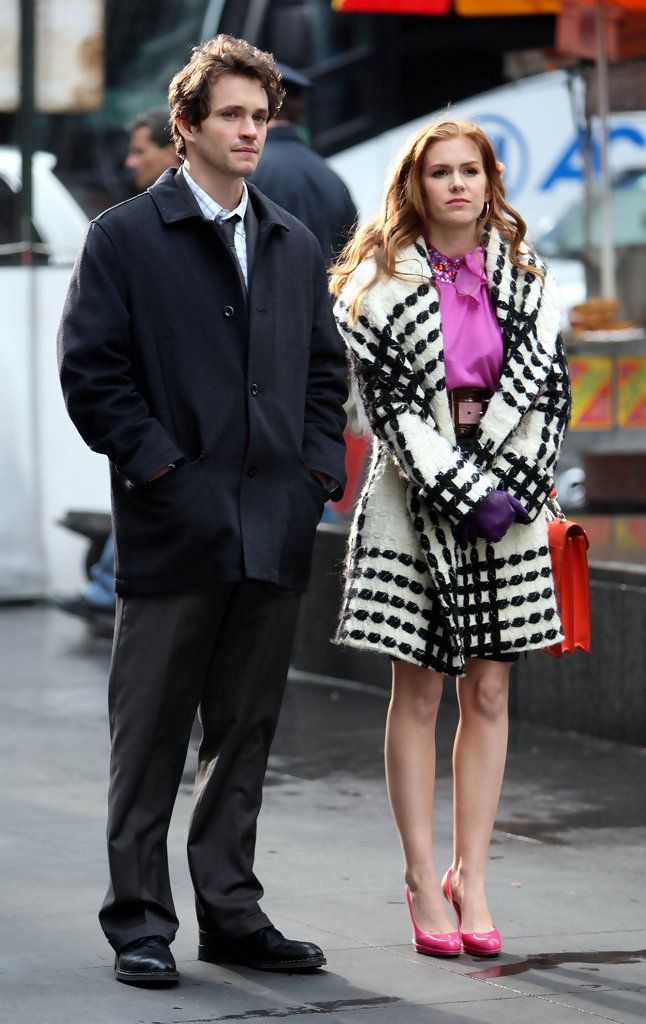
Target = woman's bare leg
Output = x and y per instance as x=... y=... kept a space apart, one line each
x=410 y=775
x=479 y=755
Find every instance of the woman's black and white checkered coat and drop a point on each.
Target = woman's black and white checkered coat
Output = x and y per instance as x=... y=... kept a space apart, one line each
x=410 y=590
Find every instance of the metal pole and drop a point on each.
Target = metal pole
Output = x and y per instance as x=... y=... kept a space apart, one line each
x=608 y=288
x=27 y=237
x=26 y=123
x=588 y=197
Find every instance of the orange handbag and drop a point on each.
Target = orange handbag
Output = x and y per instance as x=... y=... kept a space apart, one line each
x=569 y=553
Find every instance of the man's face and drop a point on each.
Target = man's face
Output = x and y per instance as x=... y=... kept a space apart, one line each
x=230 y=140
x=146 y=160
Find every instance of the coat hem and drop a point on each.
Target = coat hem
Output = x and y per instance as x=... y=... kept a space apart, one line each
x=432 y=663
x=392 y=651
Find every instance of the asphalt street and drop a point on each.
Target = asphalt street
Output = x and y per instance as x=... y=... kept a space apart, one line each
x=566 y=882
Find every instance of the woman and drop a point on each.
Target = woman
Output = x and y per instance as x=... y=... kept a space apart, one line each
x=452 y=327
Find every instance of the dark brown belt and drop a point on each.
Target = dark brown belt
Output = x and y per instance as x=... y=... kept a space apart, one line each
x=468 y=406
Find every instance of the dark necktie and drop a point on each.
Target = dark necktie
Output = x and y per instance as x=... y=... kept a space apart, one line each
x=229 y=230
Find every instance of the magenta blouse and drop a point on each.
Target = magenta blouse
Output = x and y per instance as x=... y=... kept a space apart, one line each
x=473 y=348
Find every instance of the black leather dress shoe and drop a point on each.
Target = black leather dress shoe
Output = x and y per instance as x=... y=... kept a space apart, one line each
x=146 y=961
x=266 y=950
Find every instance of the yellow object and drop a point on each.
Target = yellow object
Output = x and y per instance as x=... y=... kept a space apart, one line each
x=630 y=532
x=631 y=391
x=591 y=392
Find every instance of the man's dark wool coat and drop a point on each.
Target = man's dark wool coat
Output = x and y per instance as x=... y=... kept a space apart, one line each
x=165 y=358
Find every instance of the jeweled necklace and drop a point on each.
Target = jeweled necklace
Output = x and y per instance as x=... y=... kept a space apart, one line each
x=444 y=268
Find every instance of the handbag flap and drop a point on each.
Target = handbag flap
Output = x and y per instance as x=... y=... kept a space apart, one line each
x=568 y=545
x=560 y=531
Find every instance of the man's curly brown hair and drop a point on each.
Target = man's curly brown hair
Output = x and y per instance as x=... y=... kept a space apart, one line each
x=190 y=90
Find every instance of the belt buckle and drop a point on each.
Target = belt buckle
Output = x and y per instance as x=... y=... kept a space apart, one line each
x=467 y=411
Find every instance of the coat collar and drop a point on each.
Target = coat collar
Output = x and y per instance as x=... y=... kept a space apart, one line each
x=527 y=311
x=175 y=202
x=527 y=308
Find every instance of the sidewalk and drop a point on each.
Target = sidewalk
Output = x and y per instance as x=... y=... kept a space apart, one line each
x=566 y=878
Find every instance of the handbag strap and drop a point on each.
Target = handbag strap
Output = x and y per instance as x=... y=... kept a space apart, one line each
x=552 y=507
x=567 y=529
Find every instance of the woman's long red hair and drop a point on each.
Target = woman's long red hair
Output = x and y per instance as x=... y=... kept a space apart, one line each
x=402 y=216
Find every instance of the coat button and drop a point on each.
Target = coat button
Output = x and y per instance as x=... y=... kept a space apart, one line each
x=252 y=471
x=228 y=311
x=254 y=389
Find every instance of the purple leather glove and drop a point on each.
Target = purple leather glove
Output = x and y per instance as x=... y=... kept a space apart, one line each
x=491 y=518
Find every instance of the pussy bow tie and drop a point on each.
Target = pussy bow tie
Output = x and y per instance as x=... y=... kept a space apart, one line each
x=471 y=275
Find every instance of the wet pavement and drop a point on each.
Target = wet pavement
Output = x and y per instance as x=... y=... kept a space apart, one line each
x=566 y=877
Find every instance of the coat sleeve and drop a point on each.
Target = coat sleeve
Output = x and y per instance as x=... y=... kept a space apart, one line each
x=399 y=410
x=95 y=363
x=526 y=463
x=323 y=443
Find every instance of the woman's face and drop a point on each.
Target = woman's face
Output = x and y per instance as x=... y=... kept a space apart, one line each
x=454 y=184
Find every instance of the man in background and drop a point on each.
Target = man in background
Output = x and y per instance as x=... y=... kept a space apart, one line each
x=151 y=149
x=300 y=180
x=303 y=183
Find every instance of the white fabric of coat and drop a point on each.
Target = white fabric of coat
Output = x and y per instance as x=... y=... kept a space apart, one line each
x=410 y=590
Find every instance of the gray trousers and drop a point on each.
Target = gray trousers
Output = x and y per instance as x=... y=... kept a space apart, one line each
x=224 y=653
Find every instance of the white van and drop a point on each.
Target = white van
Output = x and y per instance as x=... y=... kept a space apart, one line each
x=59 y=222
x=44 y=466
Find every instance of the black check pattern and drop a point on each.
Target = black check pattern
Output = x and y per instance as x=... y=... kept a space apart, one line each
x=410 y=590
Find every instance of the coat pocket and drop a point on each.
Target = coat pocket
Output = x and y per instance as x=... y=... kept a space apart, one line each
x=167 y=529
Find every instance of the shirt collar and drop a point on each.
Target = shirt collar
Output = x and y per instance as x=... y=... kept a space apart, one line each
x=210 y=206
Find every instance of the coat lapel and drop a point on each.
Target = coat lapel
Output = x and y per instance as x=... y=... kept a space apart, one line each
x=527 y=311
x=416 y=326
x=251 y=234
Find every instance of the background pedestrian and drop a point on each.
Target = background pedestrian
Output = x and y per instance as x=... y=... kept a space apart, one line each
x=300 y=180
x=151 y=149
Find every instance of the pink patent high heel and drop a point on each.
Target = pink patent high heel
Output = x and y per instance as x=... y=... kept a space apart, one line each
x=477 y=943
x=447 y=944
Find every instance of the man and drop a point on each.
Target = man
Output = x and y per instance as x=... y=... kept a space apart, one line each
x=198 y=352
x=150 y=153
x=152 y=149
x=300 y=180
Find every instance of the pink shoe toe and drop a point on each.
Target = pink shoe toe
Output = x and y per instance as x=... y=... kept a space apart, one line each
x=482 y=943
